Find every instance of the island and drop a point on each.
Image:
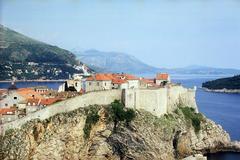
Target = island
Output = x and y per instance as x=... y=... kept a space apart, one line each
x=224 y=85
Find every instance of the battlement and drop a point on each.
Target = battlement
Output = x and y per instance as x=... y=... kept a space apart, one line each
x=157 y=101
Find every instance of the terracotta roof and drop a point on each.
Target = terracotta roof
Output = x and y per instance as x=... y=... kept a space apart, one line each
x=28 y=93
x=118 y=81
x=162 y=76
x=130 y=77
x=44 y=102
x=2 y=91
x=149 y=81
x=33 y=102
x=115 y=78
x=100 y=77
x=49 y=101
x=7 y=111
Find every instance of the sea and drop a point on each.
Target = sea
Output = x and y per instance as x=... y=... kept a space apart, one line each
x=222 y=108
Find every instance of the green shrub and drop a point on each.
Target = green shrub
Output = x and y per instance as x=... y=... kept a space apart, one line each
x=118 y=113
x=191 y=115
x=92 y=118
x=129 y=116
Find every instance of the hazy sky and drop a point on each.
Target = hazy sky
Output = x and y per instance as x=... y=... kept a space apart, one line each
x=162 y=33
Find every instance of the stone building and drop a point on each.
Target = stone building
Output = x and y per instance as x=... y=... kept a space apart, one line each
x=162 y=78
x=107 y=81
x=11 y=98
x=32 y=105
x=41 y=89
x=98 y=82
x=71 y=85
x=7 y=115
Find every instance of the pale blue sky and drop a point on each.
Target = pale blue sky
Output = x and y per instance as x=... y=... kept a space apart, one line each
x=162 y=33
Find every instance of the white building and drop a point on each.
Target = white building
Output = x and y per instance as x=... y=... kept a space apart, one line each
x=71 y=85
x=162 y=77
x=98 y=82
x=107 y=81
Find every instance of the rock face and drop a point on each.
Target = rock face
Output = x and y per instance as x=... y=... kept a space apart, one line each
x=148 y=137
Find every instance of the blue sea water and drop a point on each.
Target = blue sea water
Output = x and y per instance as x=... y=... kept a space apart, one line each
x=222 y=108
x=52 y=84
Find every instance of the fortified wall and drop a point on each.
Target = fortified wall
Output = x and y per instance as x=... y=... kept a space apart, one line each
x=100 y=98
x=161 y=100
x=157 y=101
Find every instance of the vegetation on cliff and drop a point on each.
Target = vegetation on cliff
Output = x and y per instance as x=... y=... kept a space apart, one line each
x=92 y=118
x=149 y=137
x=230 y=83
x=118 y=113
x=191 y=116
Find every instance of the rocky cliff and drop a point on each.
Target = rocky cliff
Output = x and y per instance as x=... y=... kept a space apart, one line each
x=62 y=136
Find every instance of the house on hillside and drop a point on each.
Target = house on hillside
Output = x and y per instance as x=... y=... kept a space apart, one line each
x=107 y=81
x=7 y=115
x=162 y=78
x=147 y=83
x=98 y=82
x=133 y=81
x=41 y=89
x=10 y=97
x=74 y=85
x=33 y=104
x=119 y=84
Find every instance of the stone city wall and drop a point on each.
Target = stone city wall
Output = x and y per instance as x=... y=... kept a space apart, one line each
x=157 y=101
x=161 y=100
x=100 y=98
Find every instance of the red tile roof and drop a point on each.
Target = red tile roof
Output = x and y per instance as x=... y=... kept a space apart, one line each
x=112 y=77
x=7 y=111
x=2 y=91
x=29 y=93
x=100 y=77
x=49 y=101
x=162 y=76
x=130 y=77
x=44 y=102
x=118 y=81
x=147 y=80
x=33 y=102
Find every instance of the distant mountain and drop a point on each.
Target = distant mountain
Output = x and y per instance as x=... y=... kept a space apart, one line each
x=113 y=62
x=202 y=70
x=121 y=62
x=25 y=58
x=227 y=83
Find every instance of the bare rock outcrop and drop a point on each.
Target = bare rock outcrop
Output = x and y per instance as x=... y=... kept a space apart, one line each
x=148 y=137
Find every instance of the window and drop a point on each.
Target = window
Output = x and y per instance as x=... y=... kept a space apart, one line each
x=76 y=84
x=89 y=83
x=97 y=83
x=105 y=84
x=6 y=104
x=15 y=98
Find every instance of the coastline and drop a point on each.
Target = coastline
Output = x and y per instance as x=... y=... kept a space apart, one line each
x=34 y=80
x=236 y=91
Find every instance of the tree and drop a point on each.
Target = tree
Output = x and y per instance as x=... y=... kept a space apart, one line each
x=129 y=116
x=117 y=113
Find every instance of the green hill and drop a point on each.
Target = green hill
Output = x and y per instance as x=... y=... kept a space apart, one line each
x=25 y=58
x=227 y=83
x=16 y=47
